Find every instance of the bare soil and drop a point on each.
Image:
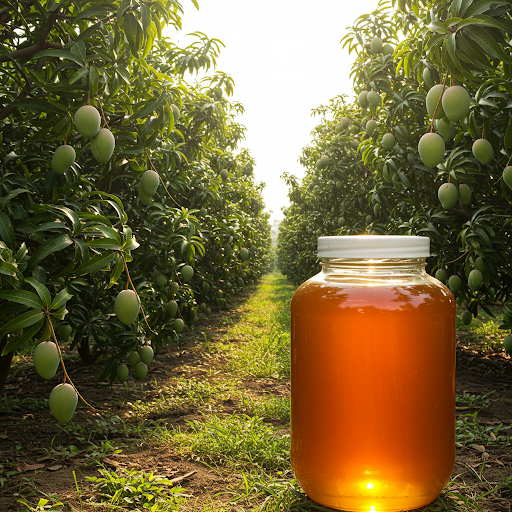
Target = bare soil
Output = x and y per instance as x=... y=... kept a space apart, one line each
x=27 y=433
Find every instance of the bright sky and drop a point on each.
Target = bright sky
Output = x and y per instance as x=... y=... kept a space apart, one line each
x=286 y=60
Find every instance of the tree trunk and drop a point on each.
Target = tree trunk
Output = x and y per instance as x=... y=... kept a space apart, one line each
x=5 y=364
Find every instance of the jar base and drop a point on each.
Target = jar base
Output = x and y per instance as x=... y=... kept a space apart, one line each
x=353 y=504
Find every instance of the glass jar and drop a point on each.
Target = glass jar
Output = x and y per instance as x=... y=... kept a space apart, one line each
x=373 y=376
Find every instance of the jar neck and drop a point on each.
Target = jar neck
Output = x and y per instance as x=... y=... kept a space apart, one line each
x=382 y=267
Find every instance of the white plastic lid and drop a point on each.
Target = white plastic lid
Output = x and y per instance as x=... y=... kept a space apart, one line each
x=374 y=246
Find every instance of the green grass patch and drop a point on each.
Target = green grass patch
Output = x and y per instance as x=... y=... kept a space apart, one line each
x=183 y=394
x=22 y=405
x=236 y=441
x=266 y=356
x=483 y=332
x=264 y=330
x=268 y=407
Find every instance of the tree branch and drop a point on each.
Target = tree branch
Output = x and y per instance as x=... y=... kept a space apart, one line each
x=49 y=24
x=29 y=51
x=462 y=214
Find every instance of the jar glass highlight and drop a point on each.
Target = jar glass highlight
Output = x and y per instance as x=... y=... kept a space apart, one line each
x=373 y=384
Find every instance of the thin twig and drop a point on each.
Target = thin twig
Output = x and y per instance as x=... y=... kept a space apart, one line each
x=102 y=113
x=503 y=172
x=66 y=375
x=437 y=104
x=469 y=250
x=183 y=477
x=138 y=298
x=161 y=180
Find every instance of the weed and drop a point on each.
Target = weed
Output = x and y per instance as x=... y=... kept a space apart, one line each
x=469 y=431
x=105 y=448
x=469 y=400
x=22 y=405
x=43 y=505
x=136 y=491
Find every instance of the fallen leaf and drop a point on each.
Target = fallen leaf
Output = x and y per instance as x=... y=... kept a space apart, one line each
x=29 y=467
x=478 y=447
x=54 y=468
x=492 y=436
x=110 y=462
x=485 y=456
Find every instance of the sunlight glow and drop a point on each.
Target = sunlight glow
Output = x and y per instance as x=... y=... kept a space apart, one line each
x=369 y=485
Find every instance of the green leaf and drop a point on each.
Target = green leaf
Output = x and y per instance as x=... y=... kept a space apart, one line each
x=100 y=11
x=489 y=21
x=61 y=54
x=508 y=135
x=36 y=104
x=22 y=297
x=116 y=273
x=72 y=216
x=452 y=50
x=109 y=233
x=472 y=52
x=41 y=290
x=7 y=231
x=151 y=106
x=22 y=321
x=481 y=7
x=94 y=78
x=78 y=75
x=486 y=42
x=17 y=341
x=95 y=263
x=463 y=7
x=468 y=21
x=60 y=299
x=455 y=8
x=133 y=32
x=103 y=243
x=146 y=18
x=114 y=201
x=39 y=274
x=79 y=49
x=8 y=269
x=53 y=244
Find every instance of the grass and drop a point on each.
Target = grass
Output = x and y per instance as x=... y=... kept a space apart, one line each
x=266 y=356
x=237 y=440
x=183 y=394
x=137 y=491
x=268 y=407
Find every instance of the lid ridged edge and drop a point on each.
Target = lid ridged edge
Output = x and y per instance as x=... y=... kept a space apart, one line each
x=374 y=246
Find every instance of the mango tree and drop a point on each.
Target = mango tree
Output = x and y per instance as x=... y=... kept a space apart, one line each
x=425 y=147
x=94 y=97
